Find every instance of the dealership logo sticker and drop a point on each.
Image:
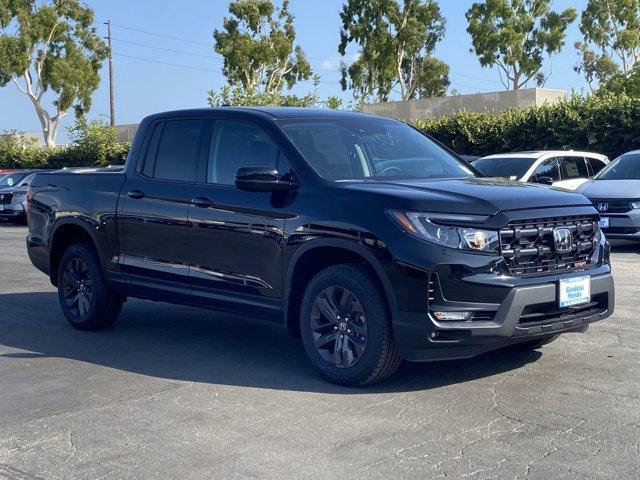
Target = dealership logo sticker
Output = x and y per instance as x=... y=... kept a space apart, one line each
x=563 y=239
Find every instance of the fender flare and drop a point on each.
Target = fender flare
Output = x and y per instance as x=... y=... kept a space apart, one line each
x=88 y=225
x=354 y=247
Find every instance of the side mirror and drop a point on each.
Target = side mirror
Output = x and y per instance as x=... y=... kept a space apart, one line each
x=262 y=178
x=544 y=180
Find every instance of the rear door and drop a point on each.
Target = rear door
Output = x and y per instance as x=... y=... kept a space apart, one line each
x=574 y=172
x=237 y=236
x=154 y=206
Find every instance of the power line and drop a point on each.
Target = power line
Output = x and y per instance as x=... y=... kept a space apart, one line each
x=191 y=67
x=182 y=52
x=213 y=57
x=163 y=35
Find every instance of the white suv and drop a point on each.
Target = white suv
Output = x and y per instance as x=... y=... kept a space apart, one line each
x=560 y=168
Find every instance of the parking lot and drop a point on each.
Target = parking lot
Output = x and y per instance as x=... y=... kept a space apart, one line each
x=182 y=393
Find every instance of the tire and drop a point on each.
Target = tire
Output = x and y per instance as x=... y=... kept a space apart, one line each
x=80 y=278
x=535 y=344
x=352 y=351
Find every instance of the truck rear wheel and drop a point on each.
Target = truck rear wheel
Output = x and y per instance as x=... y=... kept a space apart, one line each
x=86 y=300
x=346 y=328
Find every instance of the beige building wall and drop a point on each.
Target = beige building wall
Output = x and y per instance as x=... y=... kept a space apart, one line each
x=444 y=106
x=126 y=132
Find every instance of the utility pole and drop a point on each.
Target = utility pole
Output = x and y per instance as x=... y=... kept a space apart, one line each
x=112 y=105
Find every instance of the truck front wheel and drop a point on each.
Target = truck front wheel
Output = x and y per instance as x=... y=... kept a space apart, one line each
x=86 y=300
x=346 y=328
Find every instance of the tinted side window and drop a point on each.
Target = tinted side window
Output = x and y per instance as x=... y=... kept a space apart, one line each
x=177 y=157
x=237 y=144
x=595 y=164
x=549 y=168
x=152 y=150
x=575 y=167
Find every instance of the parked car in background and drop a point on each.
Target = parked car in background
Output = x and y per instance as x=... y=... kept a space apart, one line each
x=615 y=192
x=11 y=179
x=356 y=232
x=6 y=171
x=566 y=169
x=13 y=199
x=469 y=158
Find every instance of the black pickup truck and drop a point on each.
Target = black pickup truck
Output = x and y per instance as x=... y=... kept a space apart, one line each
x=360 y=234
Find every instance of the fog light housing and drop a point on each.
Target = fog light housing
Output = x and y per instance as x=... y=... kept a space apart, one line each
x=452 y=316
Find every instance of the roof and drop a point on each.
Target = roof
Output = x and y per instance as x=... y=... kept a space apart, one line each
x=269 y=112
x=535 y=154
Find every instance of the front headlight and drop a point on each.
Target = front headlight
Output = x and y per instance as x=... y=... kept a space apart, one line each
x=432 y=228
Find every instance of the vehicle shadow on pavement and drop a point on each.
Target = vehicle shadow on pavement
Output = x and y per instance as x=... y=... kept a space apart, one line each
x=182 y=343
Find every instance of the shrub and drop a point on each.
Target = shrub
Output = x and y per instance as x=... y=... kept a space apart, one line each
x=93 y=143
x=606 y=123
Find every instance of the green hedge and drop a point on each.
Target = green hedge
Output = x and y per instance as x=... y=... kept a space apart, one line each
x=94 y=143
x=608 y=124
x=35 y=157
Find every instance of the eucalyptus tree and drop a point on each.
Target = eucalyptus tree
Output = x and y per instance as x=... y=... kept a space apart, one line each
x=516 y=35
x=50 y=51
x=257 y=43
x=395 y=48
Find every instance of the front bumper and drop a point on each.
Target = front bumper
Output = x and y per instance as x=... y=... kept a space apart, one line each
x=12 y=212
x=422 y=338
x=623 y=226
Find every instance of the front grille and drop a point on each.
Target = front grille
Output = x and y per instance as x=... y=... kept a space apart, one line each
x=5 y=198
x=528 y=246
x=605 y=206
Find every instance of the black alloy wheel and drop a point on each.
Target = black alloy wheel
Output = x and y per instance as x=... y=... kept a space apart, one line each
x=339 y=327
x=77 y=287
x=85 y=298
x=345 y=325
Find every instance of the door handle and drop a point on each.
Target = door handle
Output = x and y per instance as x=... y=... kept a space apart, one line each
x=202 y=202
x=137 y=194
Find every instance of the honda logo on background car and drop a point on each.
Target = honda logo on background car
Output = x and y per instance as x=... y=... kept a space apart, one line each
x=603 y=207
x=563 y=239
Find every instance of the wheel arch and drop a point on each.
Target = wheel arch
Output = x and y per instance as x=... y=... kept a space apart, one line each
x=318 y=254
x=65 y=233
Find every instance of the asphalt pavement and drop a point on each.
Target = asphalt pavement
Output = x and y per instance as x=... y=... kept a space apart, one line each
x=173 y=392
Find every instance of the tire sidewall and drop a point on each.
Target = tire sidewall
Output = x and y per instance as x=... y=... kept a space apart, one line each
x=375 y=313
x=84 y=253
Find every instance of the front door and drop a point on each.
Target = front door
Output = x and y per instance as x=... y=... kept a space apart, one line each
x=236 y=239
x=154 y=207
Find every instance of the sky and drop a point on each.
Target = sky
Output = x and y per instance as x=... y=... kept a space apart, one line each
x=145 y=83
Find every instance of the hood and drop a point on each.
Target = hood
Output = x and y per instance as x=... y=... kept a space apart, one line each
x=483 y=196
x=13 y=190
x=611 y=189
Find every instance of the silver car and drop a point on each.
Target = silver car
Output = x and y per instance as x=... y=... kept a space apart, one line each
x=615 y=192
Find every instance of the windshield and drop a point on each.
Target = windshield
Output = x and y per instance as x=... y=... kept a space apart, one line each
x=371 y=148
x=512 y=168
x=625 y=167
x=11 y=179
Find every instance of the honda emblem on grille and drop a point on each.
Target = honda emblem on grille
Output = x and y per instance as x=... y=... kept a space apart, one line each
x=602 y=207
x=563 y=239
